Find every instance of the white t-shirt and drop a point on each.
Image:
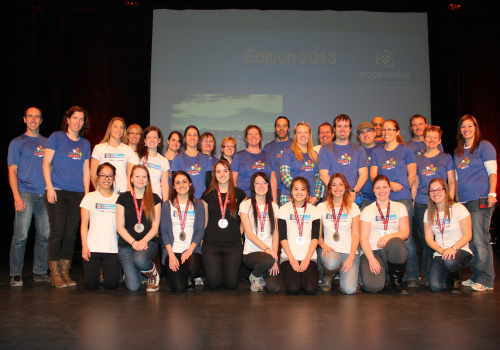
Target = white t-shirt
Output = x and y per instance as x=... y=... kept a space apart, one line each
x=266 y=236
x=452 y=232
x=181 y=246
x=156 y=166
x=102 y=236
x=371 y=214
x=117 y=156
x=287 y=213
x=345 y=224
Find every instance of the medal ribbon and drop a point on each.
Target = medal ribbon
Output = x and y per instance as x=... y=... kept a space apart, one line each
x=137 y=211
x=385 y=219
x=336 y=220
x=441 y=228
x=222 y=208
x=262 y=221
x=183 y=218
x=300 y=223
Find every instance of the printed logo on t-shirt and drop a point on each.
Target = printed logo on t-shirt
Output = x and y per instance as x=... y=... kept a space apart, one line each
x=114 y=155
x=345 y=159
x=194 y=170
x=190 y=214
x=392 y=218
x=307 y=166
x=39 y=152
x=280 y=154
x=75 y=154
x=368 y=160
x=435 y=222
x=258 y=165
x=419 y=153
x=343 y=217
x=104 y=206
x=429 y=170
x=306 y=219
x=464 y=163
x=152 y=165
x=389 y=164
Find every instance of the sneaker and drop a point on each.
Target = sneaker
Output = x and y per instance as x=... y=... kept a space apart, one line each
x=412 y=284
x=426 y=281
x=468 y=283
x=190 y=283
x=153 y=279
x=42 y=278
x=199 y=281
x=255 y=285
x=16 y=281
x=320 y=279
x=478 y=287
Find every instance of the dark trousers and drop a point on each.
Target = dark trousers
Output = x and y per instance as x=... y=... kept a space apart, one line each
x=222 y=263
x=261 y=263
x=295 y=281
x=110 y=265
x=64 y=220
x=191 y=268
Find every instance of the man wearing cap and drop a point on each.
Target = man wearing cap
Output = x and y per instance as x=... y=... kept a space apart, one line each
x=344 y=157
x=366 y=136
x=378 y=123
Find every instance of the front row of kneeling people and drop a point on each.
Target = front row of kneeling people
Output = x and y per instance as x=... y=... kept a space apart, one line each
x=205 y=236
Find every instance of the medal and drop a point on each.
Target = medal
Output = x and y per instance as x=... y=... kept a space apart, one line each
x=336 y=236
x=262 y=220
x=222 y=222
x=139 y=228
x=336 y=222
x=300 y=240
x=441 y=228
x=385 y=219
x=300 y=224
x=182 y=236
x=182 y=219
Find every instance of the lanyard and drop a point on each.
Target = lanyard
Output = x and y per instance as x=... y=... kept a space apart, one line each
x=441 y=228
x=385 y=219
x=222 y=207
x=182 y=218
x=262 y=220
x=137 y=211
x=336 y=219
x=300 y=223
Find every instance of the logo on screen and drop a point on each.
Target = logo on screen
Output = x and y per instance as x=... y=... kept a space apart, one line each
x=385 y=59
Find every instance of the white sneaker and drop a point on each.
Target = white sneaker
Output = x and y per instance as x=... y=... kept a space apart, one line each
x=468 y=283
x=478 y=287
x=255 y=285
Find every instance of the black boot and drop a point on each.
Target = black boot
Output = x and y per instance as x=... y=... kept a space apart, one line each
x=456 y=282
x=396 y=277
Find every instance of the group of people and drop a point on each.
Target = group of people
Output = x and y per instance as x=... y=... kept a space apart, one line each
x=359 y=211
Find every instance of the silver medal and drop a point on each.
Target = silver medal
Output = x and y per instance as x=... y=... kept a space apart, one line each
x=182 y=236
x=300 y=240
x=223 y=223
x=336 y=236
x=139 y=228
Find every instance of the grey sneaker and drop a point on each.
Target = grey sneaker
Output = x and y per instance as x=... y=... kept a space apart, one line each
x=255 y=285
x=42 y=278
x=199 y=281
x=468 y=283
x=412 y=284
x=16 y=281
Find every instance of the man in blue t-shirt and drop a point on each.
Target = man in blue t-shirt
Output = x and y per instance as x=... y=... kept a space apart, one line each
x=277 y=146
x=24 y=160
x=366 y=136
x=344 y=157
x=418 y=123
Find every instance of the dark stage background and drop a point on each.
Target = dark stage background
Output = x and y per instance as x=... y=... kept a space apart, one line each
x=97 y=54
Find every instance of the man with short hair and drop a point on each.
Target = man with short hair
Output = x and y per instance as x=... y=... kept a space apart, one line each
x=366 y=136
x=277 y=146
x=325 y=136
x=418 y=123
x=342 y=156
x=378 y=123
x=24 y=160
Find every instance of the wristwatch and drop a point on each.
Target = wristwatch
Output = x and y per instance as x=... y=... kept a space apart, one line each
x=493 y=194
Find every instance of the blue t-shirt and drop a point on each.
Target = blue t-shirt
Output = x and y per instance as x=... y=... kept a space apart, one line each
x=27 y=153
x=473 y=181
x=393 y=165
x=196 y=167
x=305 y=168
x=367 y=192
x=276 y=148
x=246 y=164
x=418 y=147
x=429 y=169
x=345 y=159
x=213 y=160
x=67 y=164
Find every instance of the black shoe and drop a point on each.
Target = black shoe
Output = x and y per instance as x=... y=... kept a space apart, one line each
x=396 y=278
x=456 y=282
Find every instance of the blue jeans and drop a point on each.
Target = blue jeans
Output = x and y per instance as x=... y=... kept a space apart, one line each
x=482 y=265
x=441 y=268
x=426 y=251
x=412 y=269
x=349 y=279
x=134 y=261
x=35 y=205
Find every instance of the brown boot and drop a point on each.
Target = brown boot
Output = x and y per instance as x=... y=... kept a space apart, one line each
x=55 y=274
x=65 y=267
x=153 y=280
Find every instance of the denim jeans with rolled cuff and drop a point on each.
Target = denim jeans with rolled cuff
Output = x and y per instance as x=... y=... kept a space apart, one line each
x=441 y=269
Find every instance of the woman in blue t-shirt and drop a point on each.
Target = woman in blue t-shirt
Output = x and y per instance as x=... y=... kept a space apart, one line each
x=67 y=178
x=397 y=162
x=476 y=167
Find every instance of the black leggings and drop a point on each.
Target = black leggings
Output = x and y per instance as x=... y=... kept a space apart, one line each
x=110 y=270
x=190 y=268
x=222 y=264
x=261 y=263
x=295 y=281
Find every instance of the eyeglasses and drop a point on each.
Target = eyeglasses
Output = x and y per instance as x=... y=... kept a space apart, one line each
x=108 y=177
x=134 y=133
x=388 y=130
x=362 y=132
x=229 y=146
x=436 y=191
x=208 y=141
x=261 y=184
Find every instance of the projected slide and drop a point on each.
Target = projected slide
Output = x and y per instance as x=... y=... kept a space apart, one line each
x=222 y=70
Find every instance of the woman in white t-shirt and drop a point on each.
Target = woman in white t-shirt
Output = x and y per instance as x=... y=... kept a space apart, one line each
x=260 y=252
x=299 y=225
x=339 y=238
x=100 y=241
x=182 y=230
x=149 y=154
x=448 y=231
x=384 y=226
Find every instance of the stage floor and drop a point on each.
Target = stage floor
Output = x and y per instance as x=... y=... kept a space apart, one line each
x=38 y=316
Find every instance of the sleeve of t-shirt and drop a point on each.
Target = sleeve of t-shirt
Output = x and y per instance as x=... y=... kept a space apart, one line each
x=86 y=149
x=409 y=156
x=134 y=159
x=121 y=200
x=401 y=211
x=374 y=160
x=235 y=165
x=461 y=211
x=449 y=163
x=273 y=162
x=323 y=159
x=86 y=202
x=156 y=198
x=315 y=229
x=354 y=210
x=240 y=195
x=425 y=217
x=208 y=164
x=244 y=207
x=166 y=164
x=487 y=151
x=199 y=222
x=13 y=154
x=366 y=214
x=52 y=142
x=362 y=158
x=282 y=229
x=96 y=153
